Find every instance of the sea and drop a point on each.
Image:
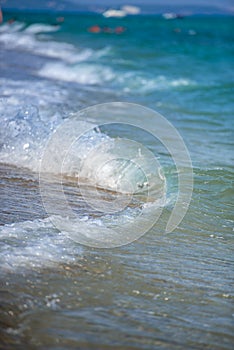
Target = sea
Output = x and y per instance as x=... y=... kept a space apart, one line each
x=64 y=285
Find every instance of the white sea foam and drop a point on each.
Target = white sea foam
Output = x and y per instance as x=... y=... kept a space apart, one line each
x=73 y=64
x=26 y=119
x=11 y=28
x=133 y=82
x=24 y=137
x=87 y=74
x=35 y=244
x=53 y=49
x=97 y=74
x=30 y=39
x=41 y=28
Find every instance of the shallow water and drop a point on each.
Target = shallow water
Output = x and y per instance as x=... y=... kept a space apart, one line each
x=162 y=291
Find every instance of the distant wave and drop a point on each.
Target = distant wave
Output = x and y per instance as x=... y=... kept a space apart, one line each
x=96 y=74
x=72 y=64
x=18 y=35
x=87 y=74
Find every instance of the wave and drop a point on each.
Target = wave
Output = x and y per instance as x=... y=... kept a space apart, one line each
x=25 y=139
x=33 y=39
x=87 y=74
x=97 y=74
x=133 y=82
x=38 y=244
x=69 y=63
x=117 y=178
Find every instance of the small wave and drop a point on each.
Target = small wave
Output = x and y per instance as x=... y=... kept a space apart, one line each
x=25 y=134
x=118 y=175
x=12 y=28
x=52 y=49
x=41 y=28
x=138 y=82
x=87 y=74
x=97 y=74
x=29 y=38
x=81 y=65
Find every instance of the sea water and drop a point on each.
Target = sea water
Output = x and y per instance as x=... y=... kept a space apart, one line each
x=162 y=291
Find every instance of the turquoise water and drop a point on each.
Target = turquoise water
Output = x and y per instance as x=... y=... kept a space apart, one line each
x=163 y=291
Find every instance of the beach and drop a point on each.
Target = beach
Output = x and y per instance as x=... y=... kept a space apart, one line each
x=163 y=290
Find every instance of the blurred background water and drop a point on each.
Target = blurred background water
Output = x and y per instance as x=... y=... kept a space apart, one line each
x=170 y=291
